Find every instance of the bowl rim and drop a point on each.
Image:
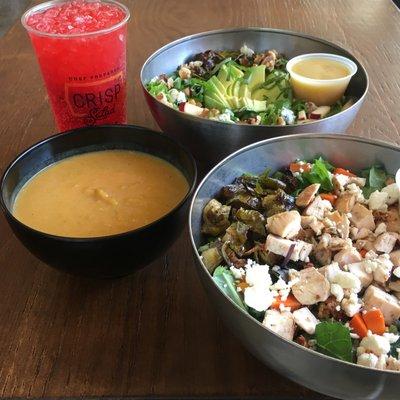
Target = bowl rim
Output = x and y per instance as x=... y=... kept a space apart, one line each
x=328 y=136
x=214 y=123
x=79 y=131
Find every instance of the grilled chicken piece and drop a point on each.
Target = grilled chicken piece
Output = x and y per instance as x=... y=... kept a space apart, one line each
x=359 y=269
x=281 y=247
x=347 y=256
x=318 y=208
x=362 y=217
x=311 y=288
x=305 y=319
x=385 y=242
x=307 y=195
x=395 y=258
x=280 y=323
x=286 y=224
x=388 y=304
x=345 y=202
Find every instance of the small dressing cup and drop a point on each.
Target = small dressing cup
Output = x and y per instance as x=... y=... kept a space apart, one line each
x=322 y=92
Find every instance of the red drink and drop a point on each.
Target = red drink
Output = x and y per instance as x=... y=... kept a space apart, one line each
x=81 y=49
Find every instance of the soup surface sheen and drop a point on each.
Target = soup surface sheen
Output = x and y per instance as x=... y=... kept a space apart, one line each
x=100 y=193
x=320 y=68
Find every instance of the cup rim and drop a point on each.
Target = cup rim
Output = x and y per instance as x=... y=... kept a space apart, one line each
x=344 y=60
x=48 y=4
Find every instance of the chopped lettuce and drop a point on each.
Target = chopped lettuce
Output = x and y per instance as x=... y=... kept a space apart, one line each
x=156 y=87
x=224 y=279
x=376 y=177
x=320 y=173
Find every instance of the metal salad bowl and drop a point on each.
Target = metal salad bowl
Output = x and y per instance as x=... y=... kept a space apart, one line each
x=316 y=371
x=210 y=141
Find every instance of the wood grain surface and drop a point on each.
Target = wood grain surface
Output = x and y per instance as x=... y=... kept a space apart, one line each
x=155 y=333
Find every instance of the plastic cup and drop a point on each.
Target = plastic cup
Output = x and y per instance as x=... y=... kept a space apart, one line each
x=322 y=92
x=84 y=73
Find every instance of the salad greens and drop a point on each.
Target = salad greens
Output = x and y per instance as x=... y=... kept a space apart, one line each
x=320 y=173
x=333 y=339
x=291 y=257
x=376 y=179
x=239 y=86
x=225 y=281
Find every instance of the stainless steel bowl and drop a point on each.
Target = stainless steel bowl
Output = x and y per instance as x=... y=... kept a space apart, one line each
x=210 y=141
x=306 y=367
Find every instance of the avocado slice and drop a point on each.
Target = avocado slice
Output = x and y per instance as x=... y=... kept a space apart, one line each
x=235 y=72
x=244 y=90
x=216 y=84
x=255 y=105
x=233 y=102
x=212 y=102
x=256 y=77
x=236 y=87
x=266 y=94
x=223 y=74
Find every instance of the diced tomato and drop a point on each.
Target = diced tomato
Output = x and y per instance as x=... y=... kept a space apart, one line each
x=342 y=171
x=300 y=167
x=329 y=196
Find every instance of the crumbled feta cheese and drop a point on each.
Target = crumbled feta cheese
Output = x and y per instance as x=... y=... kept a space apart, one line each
x=393 y=338
x=367 y=360
x=380 y=267
x=375 y=344
x=381 y=364
x=346 y=280
x=177 y=96
x=237 y=273
x=288 y=116
x=224 y=117
x=305 y=319
x=354 y=189
x=257 y=297
x=351 y=306
x=377 y=201
x=279 y=284
x=247 y=51
x=257 y=275
x=393 y=193
x=337 y=291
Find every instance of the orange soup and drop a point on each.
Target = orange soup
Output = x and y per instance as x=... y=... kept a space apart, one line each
x=100 y=193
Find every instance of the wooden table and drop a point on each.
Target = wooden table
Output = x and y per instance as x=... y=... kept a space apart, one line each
x=154 y=333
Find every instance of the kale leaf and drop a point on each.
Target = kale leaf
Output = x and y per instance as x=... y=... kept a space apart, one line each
x=333 y=339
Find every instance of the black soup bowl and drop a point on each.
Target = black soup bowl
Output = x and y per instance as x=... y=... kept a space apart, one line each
x=107 y=256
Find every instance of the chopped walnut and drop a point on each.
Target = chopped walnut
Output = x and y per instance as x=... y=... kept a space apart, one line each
x=268 y=59
x=205 y=113
x=280 y=121
x=253 y=120
x=214 y=112
x=310 y=107
x=184 y=72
